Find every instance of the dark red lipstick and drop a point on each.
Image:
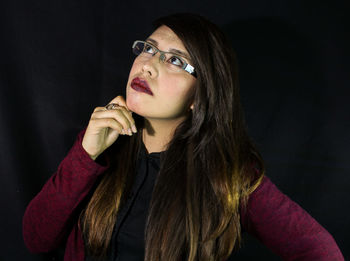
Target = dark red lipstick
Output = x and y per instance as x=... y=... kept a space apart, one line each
x=141 y=86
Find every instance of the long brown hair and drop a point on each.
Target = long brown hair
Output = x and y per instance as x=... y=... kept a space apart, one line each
x=207 y=172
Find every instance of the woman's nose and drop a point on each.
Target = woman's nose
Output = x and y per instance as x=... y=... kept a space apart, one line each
x=151 y=66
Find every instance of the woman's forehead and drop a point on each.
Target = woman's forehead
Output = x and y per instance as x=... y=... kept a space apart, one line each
x=164 y=35
x=165 y=39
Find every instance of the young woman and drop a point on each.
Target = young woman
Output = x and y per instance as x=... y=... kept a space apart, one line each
x=170 y=173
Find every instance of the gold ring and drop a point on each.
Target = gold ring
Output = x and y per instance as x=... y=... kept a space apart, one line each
x=111 y=106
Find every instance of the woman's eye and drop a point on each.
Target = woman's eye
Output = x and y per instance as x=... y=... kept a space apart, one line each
x=148 y=49
x=175 y=61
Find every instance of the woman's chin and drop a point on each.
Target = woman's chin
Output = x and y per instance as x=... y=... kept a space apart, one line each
x=131 y=105
x=134 y=107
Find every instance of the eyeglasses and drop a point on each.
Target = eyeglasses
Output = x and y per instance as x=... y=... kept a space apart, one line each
x=172 y=61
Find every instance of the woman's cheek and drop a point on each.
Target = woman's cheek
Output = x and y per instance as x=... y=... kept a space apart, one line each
x=176 y=89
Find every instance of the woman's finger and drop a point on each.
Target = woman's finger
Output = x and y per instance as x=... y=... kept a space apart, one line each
x=100 y=123
x=128 y=115
x=120 y=115
x=99 y=109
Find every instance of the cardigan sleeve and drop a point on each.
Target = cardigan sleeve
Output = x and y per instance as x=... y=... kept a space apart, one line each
x=287 y=229
x=51 y=215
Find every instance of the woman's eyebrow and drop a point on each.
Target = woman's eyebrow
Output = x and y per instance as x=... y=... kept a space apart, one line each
x=154 y=42
x=171 y=50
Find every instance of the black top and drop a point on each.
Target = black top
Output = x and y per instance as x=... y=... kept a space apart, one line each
x=127 y=242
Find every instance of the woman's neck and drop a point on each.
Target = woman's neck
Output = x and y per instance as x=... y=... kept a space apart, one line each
x=157 y=134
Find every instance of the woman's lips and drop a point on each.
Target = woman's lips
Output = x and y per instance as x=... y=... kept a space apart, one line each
x=141 y=86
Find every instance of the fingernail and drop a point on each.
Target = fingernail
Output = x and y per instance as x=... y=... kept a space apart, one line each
x=129 y=132
x=123 y=132
x=133 y=127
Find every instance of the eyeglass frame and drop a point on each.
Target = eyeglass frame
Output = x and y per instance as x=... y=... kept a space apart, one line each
x=186 y=66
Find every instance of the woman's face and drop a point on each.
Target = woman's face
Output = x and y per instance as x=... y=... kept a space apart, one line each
x=168 y=96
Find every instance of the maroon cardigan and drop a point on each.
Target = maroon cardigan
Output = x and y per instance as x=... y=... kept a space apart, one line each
x=51 y=218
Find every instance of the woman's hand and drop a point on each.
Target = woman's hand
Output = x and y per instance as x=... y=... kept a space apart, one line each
x=106 y=125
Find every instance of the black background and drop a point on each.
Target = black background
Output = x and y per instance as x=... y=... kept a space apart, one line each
x=60 y=59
